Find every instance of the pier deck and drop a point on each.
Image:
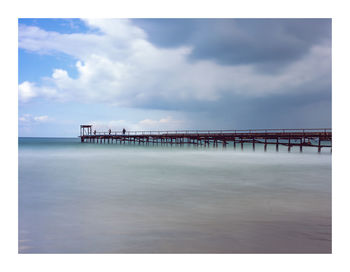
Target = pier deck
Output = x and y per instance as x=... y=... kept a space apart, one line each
x=318 y=138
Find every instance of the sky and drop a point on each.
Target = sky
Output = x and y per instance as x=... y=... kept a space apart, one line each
x=167 y=74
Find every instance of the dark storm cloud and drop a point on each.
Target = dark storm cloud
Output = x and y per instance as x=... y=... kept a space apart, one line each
x=168 y=32
x=291 y=111
x=268 y=43
x=307 y=106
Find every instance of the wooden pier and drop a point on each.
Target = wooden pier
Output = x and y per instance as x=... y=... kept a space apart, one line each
x=318 y=138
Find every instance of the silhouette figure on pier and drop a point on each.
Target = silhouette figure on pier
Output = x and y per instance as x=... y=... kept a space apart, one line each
x=124 y=130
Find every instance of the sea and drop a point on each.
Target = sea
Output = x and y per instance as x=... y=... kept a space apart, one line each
x=135 y=198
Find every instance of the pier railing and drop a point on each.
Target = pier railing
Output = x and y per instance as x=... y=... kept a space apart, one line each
x=221 y=131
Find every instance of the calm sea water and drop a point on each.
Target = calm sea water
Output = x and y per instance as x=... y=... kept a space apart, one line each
x=97 y=198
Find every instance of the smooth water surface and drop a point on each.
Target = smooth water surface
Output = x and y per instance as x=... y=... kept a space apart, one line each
x=98 y=198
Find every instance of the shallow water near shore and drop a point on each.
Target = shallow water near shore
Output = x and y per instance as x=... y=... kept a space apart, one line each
x=110 y=198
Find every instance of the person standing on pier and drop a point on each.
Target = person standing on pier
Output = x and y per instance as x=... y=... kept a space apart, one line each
x=124 y=130
x=109 y=131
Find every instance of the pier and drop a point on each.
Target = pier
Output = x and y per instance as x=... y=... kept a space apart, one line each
x=318 y=138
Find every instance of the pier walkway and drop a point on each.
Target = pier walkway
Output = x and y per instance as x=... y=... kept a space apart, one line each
x=319 y=138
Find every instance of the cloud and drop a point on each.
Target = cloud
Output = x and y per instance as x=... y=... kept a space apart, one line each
x=26 y=91
x=165 y=123
x=43 y=118
x=29 y=119
x=267 y=42
x=121 y=63
x=25 y=118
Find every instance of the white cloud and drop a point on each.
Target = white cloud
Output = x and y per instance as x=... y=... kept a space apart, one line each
x=28 y=118
x=25 y=118
x=119 y=66
x=43 y=118
x=26 y=91
x=166 y=123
